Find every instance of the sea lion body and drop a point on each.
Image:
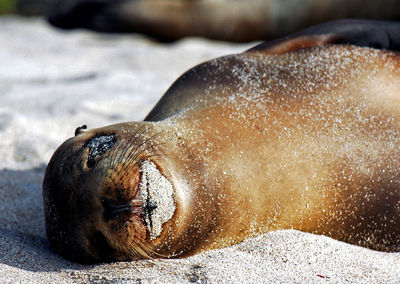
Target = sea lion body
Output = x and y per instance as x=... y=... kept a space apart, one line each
x=238 y=21
x=307 y=140
x=312 y=147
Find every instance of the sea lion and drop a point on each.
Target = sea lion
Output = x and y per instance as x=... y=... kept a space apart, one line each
x=301 y=133
x=239 y=21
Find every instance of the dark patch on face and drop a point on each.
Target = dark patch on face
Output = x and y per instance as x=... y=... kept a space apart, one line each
x=100 y=244
x=98 y=146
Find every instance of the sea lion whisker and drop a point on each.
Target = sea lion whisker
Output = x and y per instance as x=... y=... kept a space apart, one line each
x=135 y=255
x=152 y=156
x=138 y=161
x=127 y=158
x=145 y=246
x=151 y=248
x=130 y=158
x=130 y=166
x=147 y=148
x=145 y=144
x=143 y=251
x=115 y=152
x=123 y=170
x=132 y=148
x=131 y=161
x=126 y=146
x=129 y=142
x=128 y=252
x=132 y=251
x=119 y=166
x=122 y=165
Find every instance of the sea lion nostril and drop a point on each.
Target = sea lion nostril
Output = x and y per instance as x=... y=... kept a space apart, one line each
x=112 y=211
x=98 y=146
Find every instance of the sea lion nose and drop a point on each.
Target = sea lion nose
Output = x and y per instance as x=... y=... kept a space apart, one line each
x=112 y=211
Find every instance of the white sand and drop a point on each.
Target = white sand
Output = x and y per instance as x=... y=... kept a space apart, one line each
x=50 y=83
x=156 y=191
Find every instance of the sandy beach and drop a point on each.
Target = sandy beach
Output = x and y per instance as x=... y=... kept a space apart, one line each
x=52 y=81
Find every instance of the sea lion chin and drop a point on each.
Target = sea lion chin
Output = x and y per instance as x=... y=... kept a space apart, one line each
x=298 y=134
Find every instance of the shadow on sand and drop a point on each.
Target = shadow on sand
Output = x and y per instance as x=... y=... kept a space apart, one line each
x=23 y=242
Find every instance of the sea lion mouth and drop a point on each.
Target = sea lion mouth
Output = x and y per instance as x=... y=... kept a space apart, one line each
x=113 y=211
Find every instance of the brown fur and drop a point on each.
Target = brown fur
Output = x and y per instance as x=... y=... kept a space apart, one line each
x=308 y=139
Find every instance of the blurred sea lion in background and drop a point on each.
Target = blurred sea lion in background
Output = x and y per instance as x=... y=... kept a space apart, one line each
x=230 y=20
x=300 y=133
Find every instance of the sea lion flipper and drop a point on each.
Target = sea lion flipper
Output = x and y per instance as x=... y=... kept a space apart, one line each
x=292 y=43
x=366 y=33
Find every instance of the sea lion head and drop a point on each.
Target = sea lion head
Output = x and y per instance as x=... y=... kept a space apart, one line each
x=104 y=195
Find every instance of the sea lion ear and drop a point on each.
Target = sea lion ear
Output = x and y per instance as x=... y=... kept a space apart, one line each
x=374 y=34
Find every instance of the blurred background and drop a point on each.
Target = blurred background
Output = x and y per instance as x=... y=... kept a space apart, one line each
x=229 y=20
